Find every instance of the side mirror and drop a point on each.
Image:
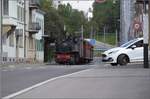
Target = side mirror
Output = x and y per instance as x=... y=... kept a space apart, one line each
x=133 y=46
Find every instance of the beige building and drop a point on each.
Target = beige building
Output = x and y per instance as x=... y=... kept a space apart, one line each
x=19 y=29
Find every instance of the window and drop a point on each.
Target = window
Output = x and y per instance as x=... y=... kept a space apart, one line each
x=20 y=38
x=139 y=43
x=31 y=43
x=5 y=8
x=4 y=38
x=42 y=27
x=20 y=13
x=11 y=39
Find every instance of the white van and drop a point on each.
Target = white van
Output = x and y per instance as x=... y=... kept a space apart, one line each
x=131 y=51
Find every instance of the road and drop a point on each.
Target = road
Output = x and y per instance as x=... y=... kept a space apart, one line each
x=102 y=46
x=16 y=78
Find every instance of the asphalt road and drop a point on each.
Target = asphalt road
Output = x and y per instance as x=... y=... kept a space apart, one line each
x=16 y=78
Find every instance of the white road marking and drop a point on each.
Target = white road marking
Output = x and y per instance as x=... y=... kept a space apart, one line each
x=40 y=84
x=28 y=68
x=42 y=67
x=5 y=70
x=11 y=66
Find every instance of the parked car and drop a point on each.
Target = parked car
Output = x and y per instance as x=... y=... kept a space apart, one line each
x=131 y=51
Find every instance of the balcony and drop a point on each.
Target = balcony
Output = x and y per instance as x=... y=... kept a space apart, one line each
x=34 y=27
x=34 y=4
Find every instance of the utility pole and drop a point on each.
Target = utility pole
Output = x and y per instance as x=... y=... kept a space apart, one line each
x=1 y=32
x=104 y=34
x=149 y=22
x=116 y=37
x=25 y=46
x=146 y=64
x=91 y=34
x=82 y=41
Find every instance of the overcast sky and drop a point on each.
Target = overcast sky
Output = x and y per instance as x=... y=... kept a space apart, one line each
x=83 y=5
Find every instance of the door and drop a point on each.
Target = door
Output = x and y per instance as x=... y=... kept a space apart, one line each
x=135 y=51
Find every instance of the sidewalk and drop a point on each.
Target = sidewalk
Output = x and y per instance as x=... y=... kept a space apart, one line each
x=7 y=65
x=106 y=83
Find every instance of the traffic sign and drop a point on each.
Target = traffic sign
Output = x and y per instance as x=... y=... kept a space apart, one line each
x=92 y=41
x=136 y=26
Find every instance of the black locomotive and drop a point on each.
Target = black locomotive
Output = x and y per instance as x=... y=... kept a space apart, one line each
x=73 y=50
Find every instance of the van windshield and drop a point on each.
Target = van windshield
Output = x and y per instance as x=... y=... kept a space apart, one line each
x=128 y=43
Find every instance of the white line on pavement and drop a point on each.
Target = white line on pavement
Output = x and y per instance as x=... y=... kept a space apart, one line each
x=28 y=68
x=11 y=66
x=40 y=84
x=5 y=70
x=42 y=67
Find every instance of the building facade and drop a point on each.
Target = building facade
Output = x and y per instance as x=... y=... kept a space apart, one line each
x=39 y=40
x=19 y=30
x=35 y=29
x=13 y=31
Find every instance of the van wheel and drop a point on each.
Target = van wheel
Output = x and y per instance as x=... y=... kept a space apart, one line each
x=123 y=60
x=114 y=64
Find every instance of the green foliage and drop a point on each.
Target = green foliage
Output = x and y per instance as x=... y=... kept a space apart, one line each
x=52 y=20
x=110 y=38
x=73 y=19
x=106 y=14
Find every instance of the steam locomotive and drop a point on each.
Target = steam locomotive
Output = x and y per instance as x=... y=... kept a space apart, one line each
x=73 y=50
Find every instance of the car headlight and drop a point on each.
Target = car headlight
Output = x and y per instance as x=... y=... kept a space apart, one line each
x=113 y=52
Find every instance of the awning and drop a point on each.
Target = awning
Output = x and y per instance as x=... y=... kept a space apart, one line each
x=8 y=29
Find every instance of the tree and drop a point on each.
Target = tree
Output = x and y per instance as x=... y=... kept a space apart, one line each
x=73 y=19
x=54 y=24
x=106 y=14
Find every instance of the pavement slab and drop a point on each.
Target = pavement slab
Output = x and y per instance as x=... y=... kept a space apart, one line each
x=95 y=84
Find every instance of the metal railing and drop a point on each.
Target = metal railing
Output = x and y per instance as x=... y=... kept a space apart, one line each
x=34 y=26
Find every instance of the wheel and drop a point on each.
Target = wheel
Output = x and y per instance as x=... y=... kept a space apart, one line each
x=114 y=64
x=123 y=60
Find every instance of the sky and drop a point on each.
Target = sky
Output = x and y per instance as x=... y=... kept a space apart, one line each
x=83 y=5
